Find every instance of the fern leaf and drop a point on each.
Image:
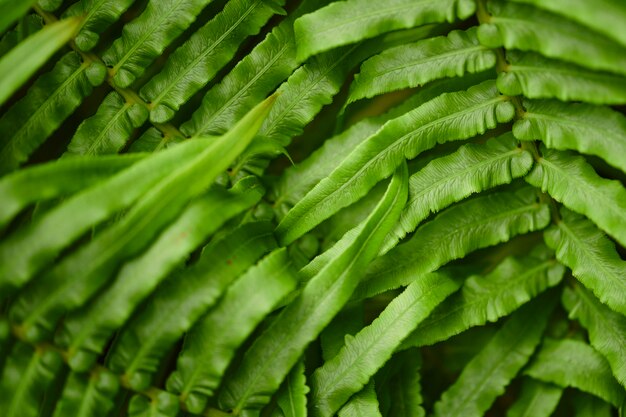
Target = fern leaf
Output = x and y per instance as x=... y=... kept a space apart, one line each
x=471 y=225
x=485 y=377
x=272 y=355
x=590 y=406
x=360 y=358
x=26 y=26
x=89 y=329
x=604 y=16
x=607 y=329
x=567 y=178
x=52 y=98
x=163 y=404
x=98 y=16
x=88 y=395
x=537 y=399
x=184 y=299
x=292 y=398
x=212 y=343
x=147 y=36
x=24 y=60
x=362 y=404
x=588 y=129
x=26 y=377
x=465 y=114
x=405 y=386
x=346 y=22
x=11 y=12
x=72 y=281
x=27 y=251
x=518 y=26
x=534 y=76
x=471 y=169
x=199 y=59
x=58 y=179
x=110 y=128
x=591 y=256
x=483 y=299
x=416 y=64
x=571 y=363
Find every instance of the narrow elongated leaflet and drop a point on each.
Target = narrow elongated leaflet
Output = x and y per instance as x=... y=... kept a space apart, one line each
x=88 y=395
x=273 y=354
x=537 y=399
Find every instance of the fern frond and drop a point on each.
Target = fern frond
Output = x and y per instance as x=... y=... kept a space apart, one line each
x=534 y=76
x=362 y=404
x=485 y=377
x=567 y=178
x=588 y=129
x=526 y=28
x=272 y=355
x=457 y=231
x=197 y=61
x=181 y=300
x=571 y=363
x=483 y=299
x=52 y=98
x=362 y=355
x=212 y=342
x=163 y=404
x=109 y=130
x=147 y=36
x=607 y=329
x=346 y=22
x=292 y=399
x=471 y=169
x=537 y=399
x=465 y=114
x=405 y=386
x=87 y=395
x=591 y=256
x=416 y=64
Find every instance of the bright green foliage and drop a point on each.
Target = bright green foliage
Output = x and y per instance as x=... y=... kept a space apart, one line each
x=571 y=363
x=271 y=208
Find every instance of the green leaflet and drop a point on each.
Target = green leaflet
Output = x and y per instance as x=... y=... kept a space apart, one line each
x=10 y=12
x=483 y=299
x=147 y=36
x=199 y=59
x=571 y=363
x=588 y=129
x=78 y=276
x=406 y=398
x=57 y=179
x=52 y=98
x=362 y=404
x=590 y=406
x=518 y=26
x=607 y=329
x=110 y=128
x=17 y=66
x=604 y=16
x=591 y=256
x=416 y=64
x=272 y=355
x=537 y=399
x=27 y=375
x=292 y=397
x=28 y=250
x=181 y=300
x=471 y=225
x=98 y=16
x=212 y=342
x=91 y=395
x=485 y=377
x=343 y=23
x=465 y=114
x=534 y=76
x=362 y=355
x=26 y=26
x=572 y=181
x=471 y=169
x=163 y=404
x=49 y=5
x=87 y=331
